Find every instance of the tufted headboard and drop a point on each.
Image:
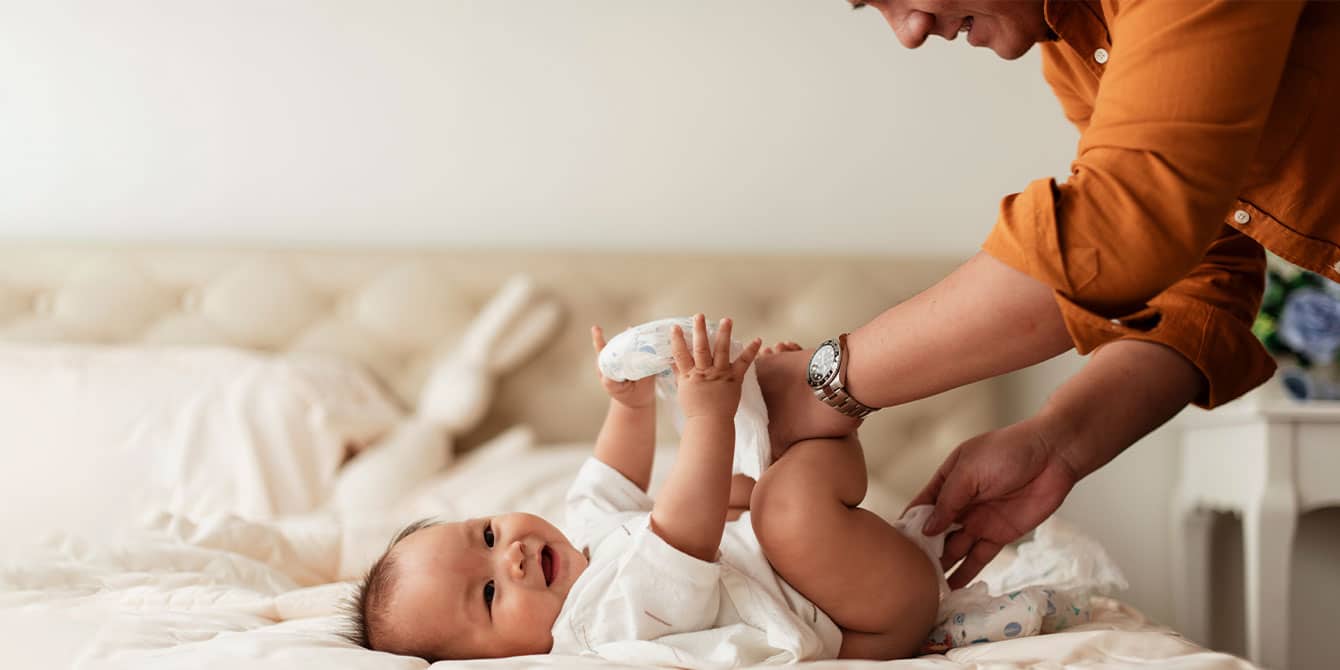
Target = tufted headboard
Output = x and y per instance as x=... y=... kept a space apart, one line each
x=395 y=310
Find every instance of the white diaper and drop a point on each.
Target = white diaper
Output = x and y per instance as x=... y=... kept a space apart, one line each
x=1046 y=588
x=644 y=350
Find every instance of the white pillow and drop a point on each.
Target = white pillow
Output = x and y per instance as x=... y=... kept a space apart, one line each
x=101 y=437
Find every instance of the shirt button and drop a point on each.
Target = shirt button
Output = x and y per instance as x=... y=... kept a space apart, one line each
x=1241 y=216
x=1100 y=55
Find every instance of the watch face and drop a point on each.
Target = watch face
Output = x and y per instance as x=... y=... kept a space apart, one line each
x=824 y=364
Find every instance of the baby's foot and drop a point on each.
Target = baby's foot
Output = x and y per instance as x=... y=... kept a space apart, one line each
x=779 y=348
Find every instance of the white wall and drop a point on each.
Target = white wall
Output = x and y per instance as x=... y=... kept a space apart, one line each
x=609 y=123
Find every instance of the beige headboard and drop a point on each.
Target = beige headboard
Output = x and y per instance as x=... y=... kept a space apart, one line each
x=395 y=310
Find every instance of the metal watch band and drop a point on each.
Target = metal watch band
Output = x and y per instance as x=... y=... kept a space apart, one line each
x=842 y=401
x=835 y=395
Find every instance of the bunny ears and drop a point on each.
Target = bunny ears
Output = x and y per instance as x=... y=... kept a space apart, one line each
x=455 y=397
x=508 y=330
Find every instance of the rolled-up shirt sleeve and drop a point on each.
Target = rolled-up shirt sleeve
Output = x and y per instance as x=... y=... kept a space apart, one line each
x=1206 y=317
x=1164 y=149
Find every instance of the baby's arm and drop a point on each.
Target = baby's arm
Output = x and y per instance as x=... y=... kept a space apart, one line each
x=627 y=440
x=690 y=511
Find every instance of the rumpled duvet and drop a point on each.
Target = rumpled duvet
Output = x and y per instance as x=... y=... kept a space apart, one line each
x=226 y=592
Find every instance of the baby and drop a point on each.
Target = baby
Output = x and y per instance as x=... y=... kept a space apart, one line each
x=804 y=574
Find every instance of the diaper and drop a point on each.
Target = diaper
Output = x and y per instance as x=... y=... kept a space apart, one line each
x=1046 y=589
x=644 y=350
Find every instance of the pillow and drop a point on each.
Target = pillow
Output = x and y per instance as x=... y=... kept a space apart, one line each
x=98 y=437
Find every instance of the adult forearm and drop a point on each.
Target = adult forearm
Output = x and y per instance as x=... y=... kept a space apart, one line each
x=1128 y=389
x=983 y=320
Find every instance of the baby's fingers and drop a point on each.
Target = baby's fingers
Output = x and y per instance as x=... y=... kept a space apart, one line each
x=721 y=354
x=702 y=351
x=679 y=350
x=747 y=356
x=597 y=338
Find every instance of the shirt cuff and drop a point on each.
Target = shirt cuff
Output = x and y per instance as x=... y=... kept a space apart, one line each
x=1222 y=347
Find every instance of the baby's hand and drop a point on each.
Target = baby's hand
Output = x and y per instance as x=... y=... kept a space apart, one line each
x=709 y=382
x=633 y=394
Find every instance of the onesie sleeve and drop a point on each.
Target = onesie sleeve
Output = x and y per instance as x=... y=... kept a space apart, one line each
x=654 y=590
x=598 y=501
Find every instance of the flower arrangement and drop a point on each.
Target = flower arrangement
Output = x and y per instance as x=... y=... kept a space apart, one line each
x=1299 y=324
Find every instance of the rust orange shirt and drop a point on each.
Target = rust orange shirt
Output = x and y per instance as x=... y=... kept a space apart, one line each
x=1209 y=129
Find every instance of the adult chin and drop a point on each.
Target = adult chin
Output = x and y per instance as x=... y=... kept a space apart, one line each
x=1013 y=51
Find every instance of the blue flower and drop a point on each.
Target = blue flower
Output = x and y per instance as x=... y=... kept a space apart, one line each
x=1310 y=324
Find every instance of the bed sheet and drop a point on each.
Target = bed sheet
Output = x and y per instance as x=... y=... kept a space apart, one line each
x=225 y=592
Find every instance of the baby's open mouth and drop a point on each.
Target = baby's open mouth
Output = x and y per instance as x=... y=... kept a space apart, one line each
x=547 y=565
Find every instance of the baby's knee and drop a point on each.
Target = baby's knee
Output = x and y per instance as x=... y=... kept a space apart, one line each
x=777 y=513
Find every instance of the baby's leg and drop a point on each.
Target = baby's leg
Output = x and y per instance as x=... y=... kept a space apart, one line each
x=876 y=584
x=741 y=490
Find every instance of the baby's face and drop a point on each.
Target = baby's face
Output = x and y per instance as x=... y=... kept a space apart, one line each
x=483 y=588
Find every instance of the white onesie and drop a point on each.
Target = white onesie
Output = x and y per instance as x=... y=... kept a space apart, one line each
x=641 y=600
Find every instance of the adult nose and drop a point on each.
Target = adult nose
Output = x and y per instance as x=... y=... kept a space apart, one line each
x=911 y=28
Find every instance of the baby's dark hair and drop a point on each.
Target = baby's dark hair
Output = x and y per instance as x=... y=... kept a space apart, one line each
x=367 y=608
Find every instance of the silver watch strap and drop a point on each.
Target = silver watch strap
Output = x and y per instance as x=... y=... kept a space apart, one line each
x=842 y=401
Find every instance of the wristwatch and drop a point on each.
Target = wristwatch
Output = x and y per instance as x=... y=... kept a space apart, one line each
x=828 y=377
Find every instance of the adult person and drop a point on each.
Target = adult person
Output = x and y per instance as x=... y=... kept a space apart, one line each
x=1208 y=131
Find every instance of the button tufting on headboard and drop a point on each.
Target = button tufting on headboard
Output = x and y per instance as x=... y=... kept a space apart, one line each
x=395 y=310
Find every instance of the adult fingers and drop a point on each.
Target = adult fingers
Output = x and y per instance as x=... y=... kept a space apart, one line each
x=702 y=352
x=721 y=353
x=981 y=554
x=747 y=357
x=958 y=491
x=931 y=491
x=957 y=545
x=679 y=351
x=928 y=492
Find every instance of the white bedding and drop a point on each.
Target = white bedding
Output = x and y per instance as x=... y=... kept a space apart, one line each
x=99 y=437
x=222 y=592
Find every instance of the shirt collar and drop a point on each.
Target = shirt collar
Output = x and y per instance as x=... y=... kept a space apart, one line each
x=1076 y=21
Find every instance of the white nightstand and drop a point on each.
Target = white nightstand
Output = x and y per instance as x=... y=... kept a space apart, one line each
x=1267 y=459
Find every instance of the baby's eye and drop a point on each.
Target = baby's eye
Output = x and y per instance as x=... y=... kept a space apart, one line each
x=488 y=536
x=488 y=595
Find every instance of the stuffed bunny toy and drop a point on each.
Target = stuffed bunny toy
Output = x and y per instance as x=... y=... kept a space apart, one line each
x=454 y=398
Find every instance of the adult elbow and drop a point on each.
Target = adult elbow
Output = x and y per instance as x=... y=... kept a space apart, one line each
x=1120 y=291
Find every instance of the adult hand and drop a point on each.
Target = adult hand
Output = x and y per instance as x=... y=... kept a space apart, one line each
x=999 y=485
x=794 y=413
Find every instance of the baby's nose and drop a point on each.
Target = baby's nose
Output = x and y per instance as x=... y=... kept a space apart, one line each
x=516 y=560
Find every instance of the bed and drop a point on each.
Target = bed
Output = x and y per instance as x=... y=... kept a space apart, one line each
x=232 y=578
